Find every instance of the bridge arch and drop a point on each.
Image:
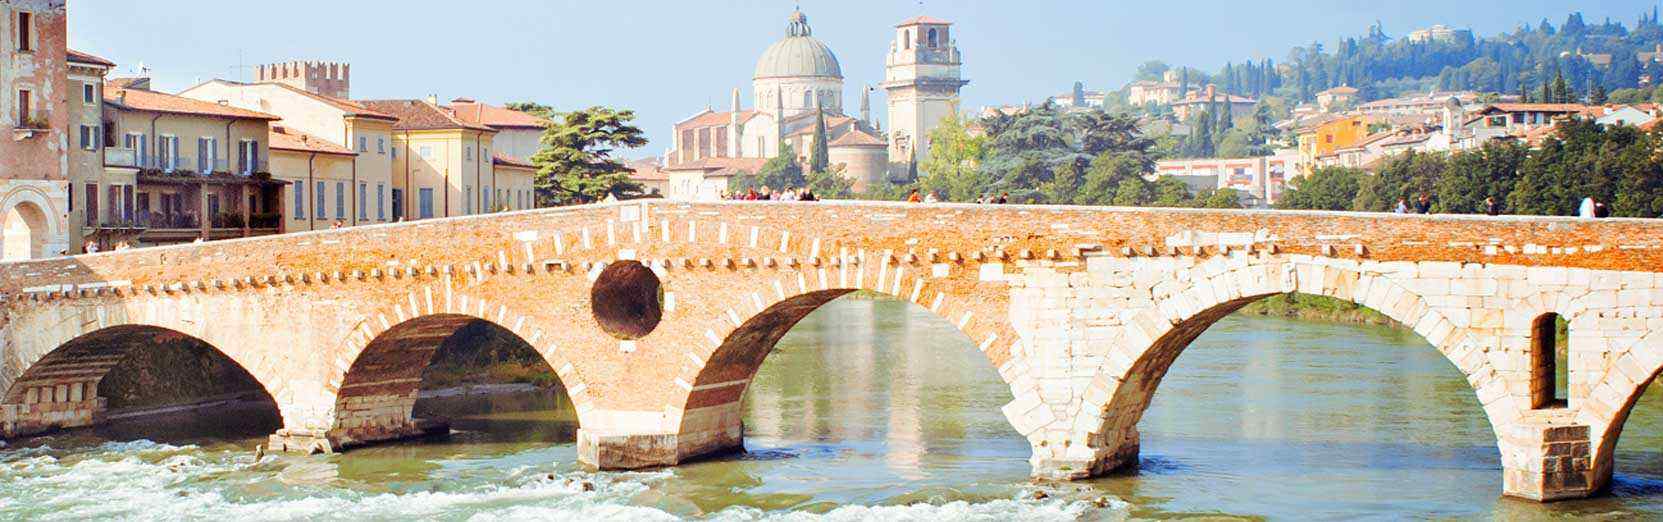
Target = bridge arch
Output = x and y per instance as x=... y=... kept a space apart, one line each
x=378 y=379
x=60 y=388
x=1614 y=396
x=1198 y=298
x=710 y=411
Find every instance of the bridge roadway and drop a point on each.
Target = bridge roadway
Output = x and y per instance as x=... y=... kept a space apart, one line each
x=656 y=315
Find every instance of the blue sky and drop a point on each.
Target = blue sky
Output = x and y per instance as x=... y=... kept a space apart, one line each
x=669 y=59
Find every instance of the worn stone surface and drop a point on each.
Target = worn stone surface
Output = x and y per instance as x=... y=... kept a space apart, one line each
x=1081 y=310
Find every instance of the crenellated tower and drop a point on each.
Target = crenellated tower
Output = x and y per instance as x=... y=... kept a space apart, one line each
x=332 y=79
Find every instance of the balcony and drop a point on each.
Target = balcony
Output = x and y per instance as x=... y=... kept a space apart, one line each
x=117 y=157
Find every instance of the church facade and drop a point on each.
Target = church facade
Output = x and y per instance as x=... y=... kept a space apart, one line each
x=797 y=78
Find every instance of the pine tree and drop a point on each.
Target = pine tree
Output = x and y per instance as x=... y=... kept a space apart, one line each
x=1596 y=95
x=1524 y=92
x=1547 y=92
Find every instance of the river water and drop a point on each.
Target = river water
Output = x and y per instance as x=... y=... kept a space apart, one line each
x=879 y=410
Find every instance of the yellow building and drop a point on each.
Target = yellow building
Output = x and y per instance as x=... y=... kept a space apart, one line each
x=446 y=166
x=1324 y=139
x=319 y=176
x=113 y=221
x=365 y=191
x=202 y=169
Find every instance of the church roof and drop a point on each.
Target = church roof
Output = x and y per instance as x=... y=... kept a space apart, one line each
x=799 y=54
x=856 y=139
x=710 y=118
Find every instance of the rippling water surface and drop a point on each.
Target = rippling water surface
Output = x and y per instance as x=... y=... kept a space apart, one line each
x=879 y=410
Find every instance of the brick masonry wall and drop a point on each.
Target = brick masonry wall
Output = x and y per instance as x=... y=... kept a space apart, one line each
x=1081 y=310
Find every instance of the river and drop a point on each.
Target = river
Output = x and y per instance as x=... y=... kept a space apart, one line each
x=877 y=409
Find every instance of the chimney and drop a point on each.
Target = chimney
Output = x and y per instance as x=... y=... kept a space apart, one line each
x=433 y=99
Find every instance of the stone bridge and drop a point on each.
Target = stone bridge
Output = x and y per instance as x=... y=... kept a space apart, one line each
x=656 y=315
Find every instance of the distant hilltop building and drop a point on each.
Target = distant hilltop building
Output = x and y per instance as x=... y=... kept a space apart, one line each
x=1439 y=33
x=332 y=79
x=799 y=77
x=1170 y=89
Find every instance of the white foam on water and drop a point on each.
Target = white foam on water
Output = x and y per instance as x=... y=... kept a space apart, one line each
x=150 y=481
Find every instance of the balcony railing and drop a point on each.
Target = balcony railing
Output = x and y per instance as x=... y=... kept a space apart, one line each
x=187 y=220
x=121 y=158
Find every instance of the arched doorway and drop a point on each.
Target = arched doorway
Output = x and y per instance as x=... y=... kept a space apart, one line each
x=24 y=229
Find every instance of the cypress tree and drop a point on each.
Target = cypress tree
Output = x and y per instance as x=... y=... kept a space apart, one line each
x=1561 y=92
x=821 y=158
x=1596 y=95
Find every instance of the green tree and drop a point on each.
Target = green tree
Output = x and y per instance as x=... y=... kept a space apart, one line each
x=1596 y=95
x=533 y=108
x=819 y=158
x=953 y=168
x=1561 y=91
x=1328 y=188
x=780 y=172
x=829 y=185
x=1472 y=176
x=575 y=163
x=1170 y=192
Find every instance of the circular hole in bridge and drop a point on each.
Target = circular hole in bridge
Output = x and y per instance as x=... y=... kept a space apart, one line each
x=627 y=300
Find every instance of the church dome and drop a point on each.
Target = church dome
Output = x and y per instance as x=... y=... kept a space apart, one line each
x=799 y=54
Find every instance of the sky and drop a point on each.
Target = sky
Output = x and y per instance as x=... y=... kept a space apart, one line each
x=667 y=60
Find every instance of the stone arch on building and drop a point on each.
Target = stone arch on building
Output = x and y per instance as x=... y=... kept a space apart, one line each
x=59 y=387
x=377 y=379
x=1121 y=392
x=711 y=414
x=26 y=226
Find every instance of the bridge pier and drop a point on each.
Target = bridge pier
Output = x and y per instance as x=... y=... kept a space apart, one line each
x=1544 y=461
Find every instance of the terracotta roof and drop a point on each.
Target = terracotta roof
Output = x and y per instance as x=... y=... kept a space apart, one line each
x=123 y=83
x=284 y=138
x=151 y=101
x=856 y=139
x=720 y=166
x=420 y=115
x=647 y=170
x=1221 y=99
x=493 y=116
x=80 y=57
x=917 y=20
x=351 y=107
x=1345 y=89
x=710 y=118
x=832 y=123
x=498 y=159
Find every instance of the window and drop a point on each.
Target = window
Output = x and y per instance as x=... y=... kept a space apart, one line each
x=248 y=156
x=1548 y=377
x=340 y=200
x=395 y=152
x=381 y=145
x=467 y=199
x=427 y=152
x=363 y=144
x=320 y=208
x=363 y=201
x=88 y=93
x=207 y=152
x=380 y=202
x=468 y=153
x=88 y=135
x=25 y=31
x=127 y=203
x=168 y=152
x=92 y=204
x=426 y=203
x=299 y=201
x=932 y=38
x=213 y=206
x=906 y=39
x=808 y=99
x=485 y=198
x=25 y=109
x=398 y=203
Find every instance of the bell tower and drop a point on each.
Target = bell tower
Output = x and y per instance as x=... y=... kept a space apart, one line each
x=922 y=80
